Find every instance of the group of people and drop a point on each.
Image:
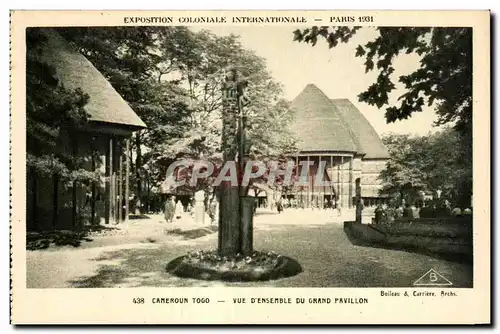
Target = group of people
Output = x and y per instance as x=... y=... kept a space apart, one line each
x=430 y=210
x=173 y=209
x=285 y=203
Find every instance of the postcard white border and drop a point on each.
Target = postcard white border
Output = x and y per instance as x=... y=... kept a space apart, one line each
x=114 y=305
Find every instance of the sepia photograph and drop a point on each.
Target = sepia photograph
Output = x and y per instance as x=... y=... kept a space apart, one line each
x=124 y=125
x=288 y=165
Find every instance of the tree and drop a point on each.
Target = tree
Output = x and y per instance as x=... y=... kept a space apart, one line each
x=427 y=163
x=201 y=68
x=172 y=76
x=50 y=108
x=53 y=114
x=443 y=79
x=131 y=58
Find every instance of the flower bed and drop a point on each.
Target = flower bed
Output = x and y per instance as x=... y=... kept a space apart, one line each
x=209 y=265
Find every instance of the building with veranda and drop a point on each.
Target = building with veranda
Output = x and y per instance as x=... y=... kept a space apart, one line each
x=335 y=133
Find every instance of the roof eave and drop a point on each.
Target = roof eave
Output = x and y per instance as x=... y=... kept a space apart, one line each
x=111 y=128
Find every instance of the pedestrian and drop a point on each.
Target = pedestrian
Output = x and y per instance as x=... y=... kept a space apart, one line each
x=285 y=203
x=179 y=208
x=360 y=205
x=415 y=213
x=408 y=212
x=137 y=206
x=279 y=206
x=399 y=212
x=379 y=214
x=169 y=210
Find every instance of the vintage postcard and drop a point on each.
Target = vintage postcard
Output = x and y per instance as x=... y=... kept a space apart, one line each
x=250 y=167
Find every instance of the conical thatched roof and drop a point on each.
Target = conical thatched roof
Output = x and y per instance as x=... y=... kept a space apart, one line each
x=322 y=124
x=366 y=138
x=317 y=124
x=75 y=71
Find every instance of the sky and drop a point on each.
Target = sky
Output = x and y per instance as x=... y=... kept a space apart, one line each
x=335 y=71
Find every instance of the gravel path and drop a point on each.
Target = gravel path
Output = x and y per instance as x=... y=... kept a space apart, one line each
x=315 y=239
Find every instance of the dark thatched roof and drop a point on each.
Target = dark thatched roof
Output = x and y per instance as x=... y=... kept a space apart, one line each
x=366 y=138
x=75 y=71
x=317 y=124
x=336 y=125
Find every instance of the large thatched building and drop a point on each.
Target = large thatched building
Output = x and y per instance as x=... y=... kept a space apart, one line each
x=102 y=143
x=335 y=132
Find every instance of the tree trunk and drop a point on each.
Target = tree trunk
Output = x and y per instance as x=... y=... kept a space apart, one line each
x=74 y=204
x=147 y=198
x=33 y=219
x=55 y=201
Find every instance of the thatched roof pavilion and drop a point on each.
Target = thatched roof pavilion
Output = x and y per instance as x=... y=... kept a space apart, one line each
x=336 y=132
x=325 y=125
x=105 y=105
x=102 y=144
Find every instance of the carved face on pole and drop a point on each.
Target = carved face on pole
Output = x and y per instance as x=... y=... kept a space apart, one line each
x=232 y=75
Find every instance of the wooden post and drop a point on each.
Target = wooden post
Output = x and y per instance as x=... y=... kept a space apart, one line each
x=120 y=183
x=331 y=179
x=127 y=175
x=138 y=176
x=313 y=202
x=350 y=182
x=359 y=202
x=74 y=188
x=106 y=185
x=342 y=204
x=110 y=194
x=297 y=178
x=338 y=184
x=319 y=200
x=114 y=182
x=229 y=241
x=247 y=204
x=308 y=184
x=93 y=199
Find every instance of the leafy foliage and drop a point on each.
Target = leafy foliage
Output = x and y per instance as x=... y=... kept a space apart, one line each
x=172 y=77
x=427 y=163
x=444 y=78
x=130 y=59
x=52 y=113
